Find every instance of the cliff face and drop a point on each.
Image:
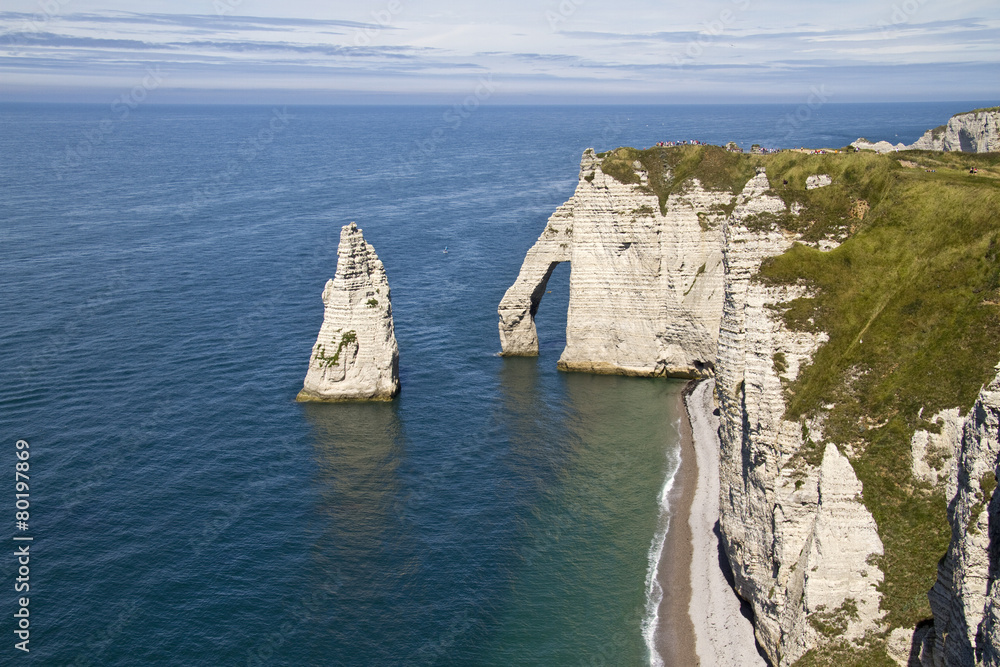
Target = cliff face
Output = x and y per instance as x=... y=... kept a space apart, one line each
x=965 y=601
x=972 y=132
x=822 y=361
x=674 y=294
x=645 y=284
x=355 y=356
x=796 y=533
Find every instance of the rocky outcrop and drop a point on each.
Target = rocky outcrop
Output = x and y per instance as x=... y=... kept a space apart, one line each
x=971 y=132
x=799 y=539
x=863 y=144
x=965 y=600
x=933 y=452
x=645 y=284
x=355 y=356
x=818 y=181
x=672 y=292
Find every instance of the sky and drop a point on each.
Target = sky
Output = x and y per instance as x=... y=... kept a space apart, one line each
x=516 y=51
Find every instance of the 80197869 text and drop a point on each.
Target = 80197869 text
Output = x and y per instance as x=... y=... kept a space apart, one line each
x=22 y=505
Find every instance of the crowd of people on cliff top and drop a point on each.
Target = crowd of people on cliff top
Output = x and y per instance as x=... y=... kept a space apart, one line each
x=695 y=142
x=692 y=142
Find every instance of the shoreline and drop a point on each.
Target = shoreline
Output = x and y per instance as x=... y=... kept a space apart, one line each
x=674 y=636
x=723 y=631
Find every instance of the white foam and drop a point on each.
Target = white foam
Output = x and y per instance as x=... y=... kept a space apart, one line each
x=654 y=592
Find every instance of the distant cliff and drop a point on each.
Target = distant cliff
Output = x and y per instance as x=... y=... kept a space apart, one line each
x=849 y=307
x=972 y=132
x=975 y=131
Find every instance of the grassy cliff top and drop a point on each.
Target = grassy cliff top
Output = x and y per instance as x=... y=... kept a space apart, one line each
x=671 y=168
x=911 y=303
x=984 y=109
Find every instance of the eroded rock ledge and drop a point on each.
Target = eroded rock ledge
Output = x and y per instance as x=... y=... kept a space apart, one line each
x=800 y=540
x=355 y=356
x=672 y=293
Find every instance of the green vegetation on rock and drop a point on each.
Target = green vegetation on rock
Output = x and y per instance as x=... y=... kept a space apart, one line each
x=834 y=623
x=910 y=300
x=331 y=361
x=910 y=303
x=981 y=110
x=670 y=169
x=869 y=652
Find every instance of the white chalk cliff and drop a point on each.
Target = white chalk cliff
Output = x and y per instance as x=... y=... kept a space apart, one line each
x=966 y=599
x=676 y=293
x=971 y=132
x=645 y=285
x=673 y=294
x=800 y=540
x=355 y=356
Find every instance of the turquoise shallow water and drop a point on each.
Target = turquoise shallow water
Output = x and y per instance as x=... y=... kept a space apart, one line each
x=161 y=294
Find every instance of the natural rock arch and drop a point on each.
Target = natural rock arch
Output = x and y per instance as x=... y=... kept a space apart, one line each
x=518 y=335
x=645 y=292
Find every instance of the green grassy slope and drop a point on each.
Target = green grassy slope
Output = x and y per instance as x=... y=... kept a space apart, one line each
x=671 y=169
x=910 y=304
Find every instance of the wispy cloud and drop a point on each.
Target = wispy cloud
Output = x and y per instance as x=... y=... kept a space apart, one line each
x=205 y=21
x=736 y=50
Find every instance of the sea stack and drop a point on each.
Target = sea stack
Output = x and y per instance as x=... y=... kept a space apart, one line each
x=355 y=356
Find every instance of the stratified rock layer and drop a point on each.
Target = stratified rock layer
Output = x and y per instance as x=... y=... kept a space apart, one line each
x=972 y=132
x=645 y=285
x=796 y=533
x=355 y=356
x=673 y=293
x=966 y=600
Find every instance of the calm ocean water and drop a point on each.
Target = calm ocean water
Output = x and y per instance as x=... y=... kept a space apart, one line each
x=161 y=279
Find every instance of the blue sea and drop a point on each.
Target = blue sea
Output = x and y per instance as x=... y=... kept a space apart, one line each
x=161 y=272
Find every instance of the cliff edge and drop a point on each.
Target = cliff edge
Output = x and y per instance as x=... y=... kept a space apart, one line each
x=355 y=356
